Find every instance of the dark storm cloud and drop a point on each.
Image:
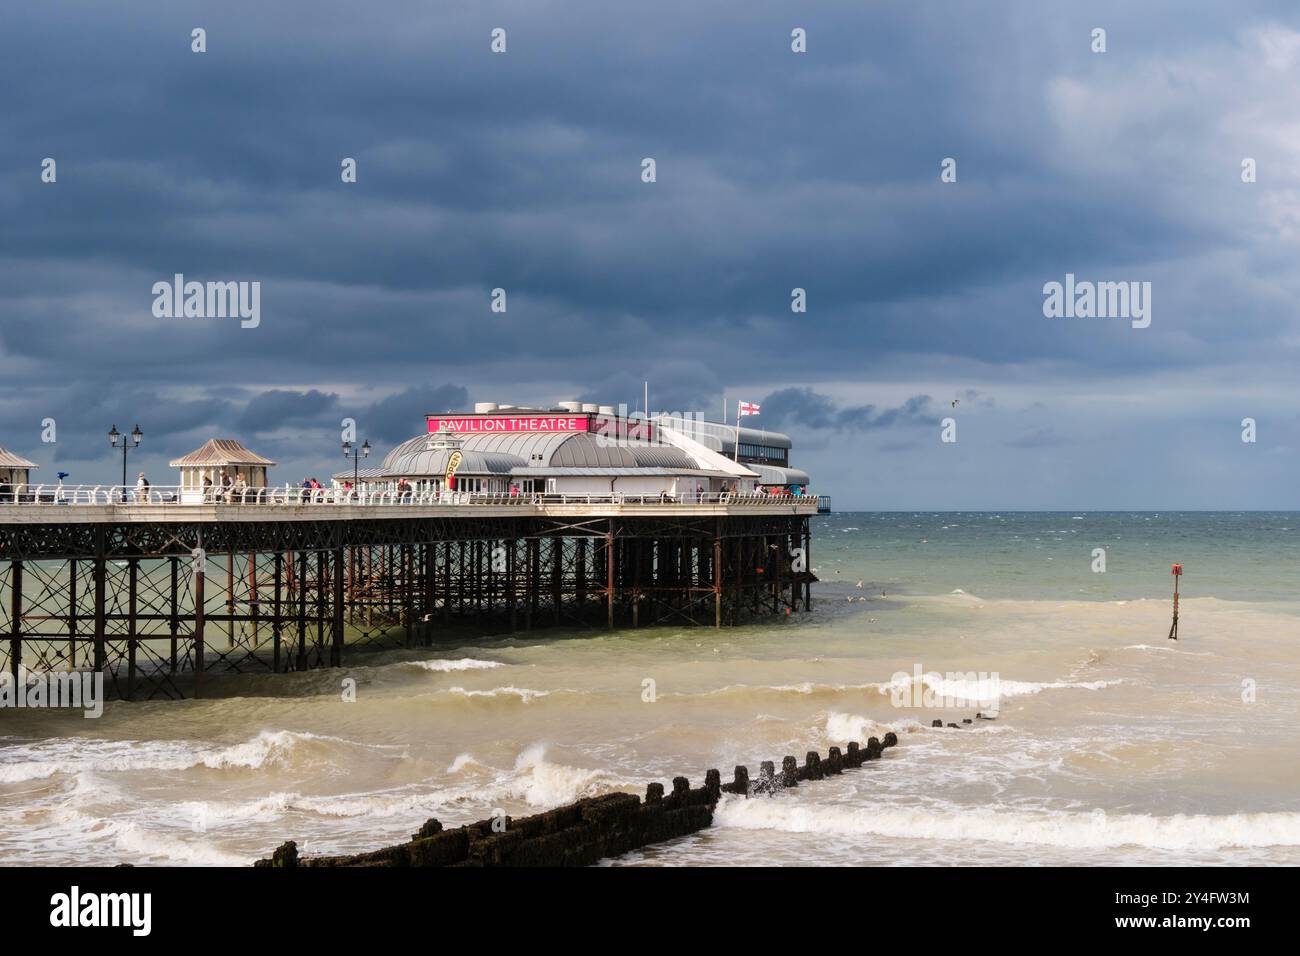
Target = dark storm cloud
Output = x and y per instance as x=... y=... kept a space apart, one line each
x=398 y=417
x=280 y=408
x=521 y=171
x=805 y=408
x=389 y=420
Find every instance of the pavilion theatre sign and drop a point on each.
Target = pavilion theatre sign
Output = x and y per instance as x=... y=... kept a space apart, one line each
x=509 y=423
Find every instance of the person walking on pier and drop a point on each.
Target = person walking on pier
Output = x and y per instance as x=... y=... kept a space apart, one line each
x=141 y=489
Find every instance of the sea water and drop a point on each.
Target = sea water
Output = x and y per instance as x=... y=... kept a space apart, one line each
x=1111 y=743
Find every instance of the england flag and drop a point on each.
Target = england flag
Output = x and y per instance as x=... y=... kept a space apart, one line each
x=748 y=408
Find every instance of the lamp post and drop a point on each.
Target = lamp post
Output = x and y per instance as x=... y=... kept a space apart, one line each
x=356 y=454
x=127 y=443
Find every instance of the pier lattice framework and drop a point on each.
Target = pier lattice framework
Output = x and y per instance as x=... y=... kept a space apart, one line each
x=158 y=597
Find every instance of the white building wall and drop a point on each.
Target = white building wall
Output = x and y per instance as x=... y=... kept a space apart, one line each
x=631 y=485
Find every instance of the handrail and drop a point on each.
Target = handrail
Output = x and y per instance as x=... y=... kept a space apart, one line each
x=174 y=496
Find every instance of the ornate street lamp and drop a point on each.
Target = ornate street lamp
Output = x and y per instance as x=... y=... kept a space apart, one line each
x=127 y=443
x=356 y=454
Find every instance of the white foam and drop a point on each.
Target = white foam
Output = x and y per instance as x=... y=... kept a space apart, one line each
x=523 y=693
x=77 y=755
x=1041 y=828
x=845 y=727
x=544 y=784
x=461 y=762
x=464 y=664
x=989 y=688
x=149 y=843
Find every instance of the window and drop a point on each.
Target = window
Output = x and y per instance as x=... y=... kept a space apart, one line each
x=766 y=453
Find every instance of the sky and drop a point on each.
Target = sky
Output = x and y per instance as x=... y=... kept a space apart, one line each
x=774 y=170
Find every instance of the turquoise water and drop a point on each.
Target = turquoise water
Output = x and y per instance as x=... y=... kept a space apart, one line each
x=1240 y=556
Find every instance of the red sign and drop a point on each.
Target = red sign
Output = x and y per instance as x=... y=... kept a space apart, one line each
x=509 y=423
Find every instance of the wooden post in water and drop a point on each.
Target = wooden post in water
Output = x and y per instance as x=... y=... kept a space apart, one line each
x=1177 y=572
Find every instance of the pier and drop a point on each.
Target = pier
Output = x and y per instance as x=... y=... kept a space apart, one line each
x=158 y=591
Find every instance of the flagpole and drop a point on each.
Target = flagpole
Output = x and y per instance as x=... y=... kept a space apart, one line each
x=736 y=456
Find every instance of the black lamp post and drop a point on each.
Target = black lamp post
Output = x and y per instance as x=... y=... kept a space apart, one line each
x=127 y=442
x=356 y=454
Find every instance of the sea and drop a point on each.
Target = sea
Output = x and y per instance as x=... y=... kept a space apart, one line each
x=1101 y=741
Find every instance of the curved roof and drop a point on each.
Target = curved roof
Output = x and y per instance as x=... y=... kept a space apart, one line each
x=220 y=451
x=414 y=457
x=498 y=454
x=9 y=460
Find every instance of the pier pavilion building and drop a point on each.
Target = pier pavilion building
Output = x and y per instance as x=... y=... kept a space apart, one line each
x=577 y=449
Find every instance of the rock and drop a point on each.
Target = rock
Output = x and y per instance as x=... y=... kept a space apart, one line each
x=936 y=723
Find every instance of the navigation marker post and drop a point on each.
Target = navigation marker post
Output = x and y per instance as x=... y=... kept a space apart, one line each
x=1177 y=571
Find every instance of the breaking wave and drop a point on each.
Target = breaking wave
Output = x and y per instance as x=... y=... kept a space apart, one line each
x=464 y=664
x=1043 y=828
x=75 y=755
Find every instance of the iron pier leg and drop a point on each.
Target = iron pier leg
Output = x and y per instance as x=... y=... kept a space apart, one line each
x=174 y=611
x=200 y=576
x=16 y=622
x=132 y=575
x=277 y=610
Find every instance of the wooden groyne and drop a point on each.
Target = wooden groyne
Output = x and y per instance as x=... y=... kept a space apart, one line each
x=594 y=828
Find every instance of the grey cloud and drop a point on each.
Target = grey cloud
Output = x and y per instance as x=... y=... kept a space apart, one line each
x=803 y=407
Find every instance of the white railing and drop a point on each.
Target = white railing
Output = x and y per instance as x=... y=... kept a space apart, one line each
x=45 y=495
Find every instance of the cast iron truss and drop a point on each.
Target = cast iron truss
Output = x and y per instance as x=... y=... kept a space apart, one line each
x=155 y=606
